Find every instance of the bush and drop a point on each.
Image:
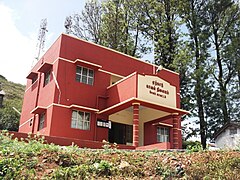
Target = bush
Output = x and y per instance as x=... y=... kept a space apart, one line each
x=192 y=146
x=36 y=160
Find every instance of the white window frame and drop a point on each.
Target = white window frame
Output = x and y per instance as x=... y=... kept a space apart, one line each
x=163 y=134
x=41 y=121
x=80 y=120
x=84 y=75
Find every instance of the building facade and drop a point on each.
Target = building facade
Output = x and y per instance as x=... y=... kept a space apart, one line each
x=228 y=137
x=86 y=91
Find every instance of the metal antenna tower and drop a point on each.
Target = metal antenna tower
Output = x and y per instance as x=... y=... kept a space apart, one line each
x=41 y=36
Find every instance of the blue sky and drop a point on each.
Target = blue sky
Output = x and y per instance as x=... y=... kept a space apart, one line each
x=20 y=21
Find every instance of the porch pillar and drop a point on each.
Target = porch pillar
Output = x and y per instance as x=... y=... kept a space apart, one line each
x=135 y=124
x=177 y=137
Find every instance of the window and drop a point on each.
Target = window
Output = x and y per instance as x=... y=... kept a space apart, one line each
x=31 y=122
x=233 y=131
x=47 y=77
x=84 y=75
x=41 y=121
x=80 y=120
x=162 y=134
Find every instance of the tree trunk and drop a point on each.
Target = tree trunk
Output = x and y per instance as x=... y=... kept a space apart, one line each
x=115 y=41
x=238 y=72
x=223 y=91
x=135 y=42
x=238 y=78
x=171 y=47
x=126 y=50
x=198 y=88
x=199 y=95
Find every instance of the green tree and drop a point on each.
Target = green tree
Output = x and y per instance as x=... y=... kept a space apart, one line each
x=159 y=22
x=87 y=24
x=118 y=27
x=211 y=25
x=220 y=16
x=192 y=13
x=110 y=23
x=9 y=118
x=231 y=56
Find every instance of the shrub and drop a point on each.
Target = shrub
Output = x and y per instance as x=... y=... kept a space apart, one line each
x=194 y=147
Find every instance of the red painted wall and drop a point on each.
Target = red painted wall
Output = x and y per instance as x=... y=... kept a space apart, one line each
x=121 y=64
x=70 y=141
x=46 y=94
x=157 y=146
x=58 y=119
x=101 y=134
x=61 y=125
x=29 y=103
x=122 y=91
x=150 y=130
x=47 y=123
x=73 y=92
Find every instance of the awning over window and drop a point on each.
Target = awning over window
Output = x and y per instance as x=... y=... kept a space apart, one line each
x=88 y=64
x=32 y=75
x=162 y=124
x=74 y=106
x=45 y=67
x=38 y=110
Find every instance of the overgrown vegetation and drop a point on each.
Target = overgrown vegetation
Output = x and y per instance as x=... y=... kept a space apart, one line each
x=35 y=160
x=9 y=118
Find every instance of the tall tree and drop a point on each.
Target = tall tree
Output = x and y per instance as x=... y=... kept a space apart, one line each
x=220 y=16
x=117 y=27
x=109 y=23
x=158 y=22
x=87 y=24
x=231 y=56
x=192 y=13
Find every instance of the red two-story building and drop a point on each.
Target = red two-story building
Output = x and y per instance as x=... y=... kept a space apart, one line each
x=85 y=91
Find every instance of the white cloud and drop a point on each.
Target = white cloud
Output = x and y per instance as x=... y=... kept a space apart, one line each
x=16 y=50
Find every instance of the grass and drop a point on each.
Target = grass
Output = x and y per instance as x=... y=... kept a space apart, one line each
x=35 y=160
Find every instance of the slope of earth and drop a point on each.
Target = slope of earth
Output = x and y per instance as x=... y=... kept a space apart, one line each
x=36 y=160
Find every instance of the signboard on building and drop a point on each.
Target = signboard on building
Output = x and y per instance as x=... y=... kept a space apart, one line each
x=155 y=89
x=103 y=123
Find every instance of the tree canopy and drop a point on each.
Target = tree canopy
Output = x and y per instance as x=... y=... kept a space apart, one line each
x=9 y=117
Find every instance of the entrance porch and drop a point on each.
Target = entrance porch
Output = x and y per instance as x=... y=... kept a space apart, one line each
x=144 y=107
x=141 y=124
